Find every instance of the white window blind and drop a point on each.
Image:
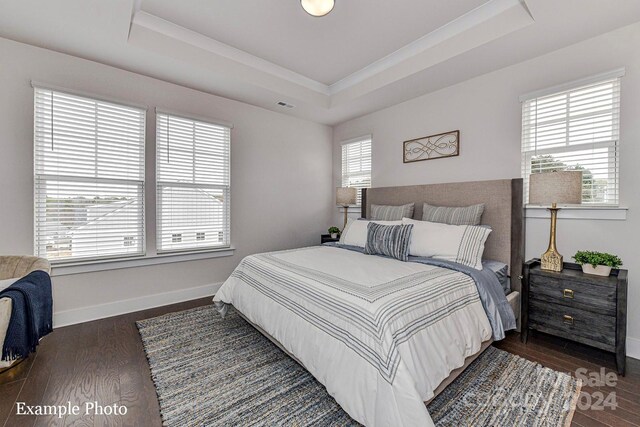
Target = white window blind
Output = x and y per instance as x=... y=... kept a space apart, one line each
x=89 y=177
x=356 y=165
x=193 y=184
x=576 y=129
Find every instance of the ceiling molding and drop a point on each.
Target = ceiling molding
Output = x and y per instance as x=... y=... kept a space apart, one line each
x=131 y=35
x=458 y=36
x=219 y=70
x=185 y=35
x=136 y=7
x=482 y=29
x=454 y=28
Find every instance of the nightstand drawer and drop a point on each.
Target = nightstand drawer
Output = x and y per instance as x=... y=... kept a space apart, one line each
x=579 y=307
x=597 y=299
x=588 y=328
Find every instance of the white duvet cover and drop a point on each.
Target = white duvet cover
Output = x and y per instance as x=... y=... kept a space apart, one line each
x=378 y=333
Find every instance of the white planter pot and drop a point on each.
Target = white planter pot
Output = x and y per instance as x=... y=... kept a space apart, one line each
x=600 y=270
x=334 y=235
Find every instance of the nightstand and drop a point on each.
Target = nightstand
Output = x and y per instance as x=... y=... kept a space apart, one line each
x=588 y=309
x=324 y=238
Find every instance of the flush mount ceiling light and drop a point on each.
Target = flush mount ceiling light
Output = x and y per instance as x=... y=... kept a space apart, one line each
x=317 y=7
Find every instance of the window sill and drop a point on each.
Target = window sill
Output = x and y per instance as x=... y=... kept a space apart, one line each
x=611 y=213
x=67 y=269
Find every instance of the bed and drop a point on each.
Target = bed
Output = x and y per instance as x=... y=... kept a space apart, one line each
x=384 y=336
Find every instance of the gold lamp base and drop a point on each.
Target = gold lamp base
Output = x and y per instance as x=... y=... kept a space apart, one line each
x=552 y=260
x=346 y=211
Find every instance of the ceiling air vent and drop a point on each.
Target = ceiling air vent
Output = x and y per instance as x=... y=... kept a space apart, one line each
x=284 y=104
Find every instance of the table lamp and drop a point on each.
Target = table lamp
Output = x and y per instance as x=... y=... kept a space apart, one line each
x=552 y=188
x=346 y=196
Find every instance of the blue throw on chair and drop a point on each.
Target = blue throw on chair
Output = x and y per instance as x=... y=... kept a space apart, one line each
x=31 y=314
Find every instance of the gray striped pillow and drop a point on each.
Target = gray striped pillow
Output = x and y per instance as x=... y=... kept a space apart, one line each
x=389 y=240
x=471 y=247
x=468 y=215
x=391 y=213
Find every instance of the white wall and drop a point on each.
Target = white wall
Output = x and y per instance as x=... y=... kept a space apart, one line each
x=487 y=111
x=280 y=174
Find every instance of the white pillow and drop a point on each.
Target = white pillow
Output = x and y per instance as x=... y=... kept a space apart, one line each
x=463 y=244
x=355 y=233
x=5 y=283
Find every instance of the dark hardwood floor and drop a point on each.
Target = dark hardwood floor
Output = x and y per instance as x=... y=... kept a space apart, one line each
x=565 y=356
x=104 y=361
x=96 y=361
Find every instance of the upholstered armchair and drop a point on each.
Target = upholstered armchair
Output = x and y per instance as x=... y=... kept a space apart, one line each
x=19 y=266
x=15 y=267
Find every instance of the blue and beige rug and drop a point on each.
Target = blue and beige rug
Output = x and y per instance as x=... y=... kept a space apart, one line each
x=220 y=372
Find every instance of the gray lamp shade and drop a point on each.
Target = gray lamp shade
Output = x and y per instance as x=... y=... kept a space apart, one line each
x=346 y=196
x=555 y=187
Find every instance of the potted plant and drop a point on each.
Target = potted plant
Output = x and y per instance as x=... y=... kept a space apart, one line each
x=334 y=231
x=598 y=263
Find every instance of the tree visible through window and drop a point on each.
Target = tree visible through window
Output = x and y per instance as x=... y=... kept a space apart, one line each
x=593 y=190
x=576 y=129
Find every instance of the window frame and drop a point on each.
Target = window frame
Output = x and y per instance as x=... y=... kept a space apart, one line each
x=343 y=175
x=40 y=178
x=159 y=183
x=612 y=146
x=150 y=257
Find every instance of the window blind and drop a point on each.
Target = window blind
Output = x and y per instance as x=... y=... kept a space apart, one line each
x=356 y=165
x=89 y=177
x=193 y=184
x=576 y=129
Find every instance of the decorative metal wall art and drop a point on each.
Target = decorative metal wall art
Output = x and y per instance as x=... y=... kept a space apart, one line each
x=432 y=147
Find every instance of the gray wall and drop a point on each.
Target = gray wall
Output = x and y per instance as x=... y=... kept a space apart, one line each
x=280 y=175
x=487 y=111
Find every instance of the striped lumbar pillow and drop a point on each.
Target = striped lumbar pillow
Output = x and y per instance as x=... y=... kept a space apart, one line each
x=389 y=240
x=463 y=244
x=467 y=215
x=391 y=213
x=355 y=233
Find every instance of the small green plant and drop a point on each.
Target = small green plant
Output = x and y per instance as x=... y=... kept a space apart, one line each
x=597 y=258
x=334 y=230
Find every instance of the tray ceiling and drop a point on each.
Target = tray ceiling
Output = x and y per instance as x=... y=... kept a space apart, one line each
x=365 y=55
x=355 y=34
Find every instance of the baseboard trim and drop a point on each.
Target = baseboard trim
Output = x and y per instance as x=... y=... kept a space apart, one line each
x=116 y=308
x=633 y=347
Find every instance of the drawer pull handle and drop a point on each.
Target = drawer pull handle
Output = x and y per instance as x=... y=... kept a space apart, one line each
x=568 y=293
x=567 y=319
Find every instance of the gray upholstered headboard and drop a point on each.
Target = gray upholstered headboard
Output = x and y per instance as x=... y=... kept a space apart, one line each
x=504 y=212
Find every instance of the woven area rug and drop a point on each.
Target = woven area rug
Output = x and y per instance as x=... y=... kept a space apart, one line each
x=219 y=372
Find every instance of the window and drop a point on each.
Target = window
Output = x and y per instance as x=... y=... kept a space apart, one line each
x=193 y=184
x=356 y=164
x=576 y=129
x=89 y=177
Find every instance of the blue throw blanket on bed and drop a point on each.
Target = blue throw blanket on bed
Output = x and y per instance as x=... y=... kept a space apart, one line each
x=31 y=314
